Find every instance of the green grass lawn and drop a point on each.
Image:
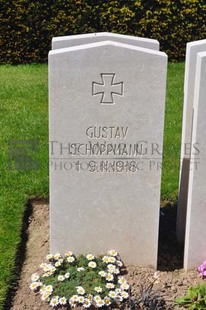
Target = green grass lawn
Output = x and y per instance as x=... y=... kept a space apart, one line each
x=172 y=132
x=24 y=116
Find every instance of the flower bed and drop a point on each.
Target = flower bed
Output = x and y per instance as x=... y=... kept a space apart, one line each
x=87 y=281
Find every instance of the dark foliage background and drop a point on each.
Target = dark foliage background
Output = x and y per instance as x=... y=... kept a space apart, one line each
x=27 y=26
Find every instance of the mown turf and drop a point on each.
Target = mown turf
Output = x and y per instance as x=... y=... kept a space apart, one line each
x=172 y=132
x=24 y=116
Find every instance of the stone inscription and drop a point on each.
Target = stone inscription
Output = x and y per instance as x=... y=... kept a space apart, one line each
x=94 y=132
x=105 y=156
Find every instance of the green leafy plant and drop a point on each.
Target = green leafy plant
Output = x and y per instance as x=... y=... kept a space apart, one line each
x=149 y=299
x=87 y=281
x=194 y=299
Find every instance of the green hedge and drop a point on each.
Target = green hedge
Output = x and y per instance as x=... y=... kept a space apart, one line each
x=27 y=26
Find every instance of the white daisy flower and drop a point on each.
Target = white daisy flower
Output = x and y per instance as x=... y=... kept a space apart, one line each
x=122 y=280
x=116 y=271
x=49 y=256
x=53 y=269
x=54 y=301
x=81 y=299
x=119 y=263
x=40 y=283
x=119 y=298
x=111 y=259
x=124 y=294
x=107 y=301
x=34 y=277
x=57 y=256
x=47 y=267
x=87 y=303
x=102 y=273
x=43 y=289
x=80 y=290
x=48 y=288
x=70 y=259
x=98 y=289
x=33 y=286
x=97 y=298
x=74 y=298
x=45 y=296
x=105 y=259
x=109 y=277
x=124 y=286
x=118 y=290
x=90 y=297
x=90 y=256
x=110 y=285
x=92 y=264
x=61 y=278
x=111 y=268
x=72 y=302
x=112 y=294
x=45 y=275
x=69 y=253
x=100 y=303
x=80 y=269
x=58 y=264
x=62 y=301
x=67 y=275
x=42 y=265
x=112 y=253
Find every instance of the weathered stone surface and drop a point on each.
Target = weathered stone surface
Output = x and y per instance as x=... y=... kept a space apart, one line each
x=107 y=103
x=68 y=41
x=186 y=147
x=195 y=246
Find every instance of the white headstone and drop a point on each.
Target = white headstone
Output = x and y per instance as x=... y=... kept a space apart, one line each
x=195 y=245
x=189 y=84
x=107 y=103
x=72 y=40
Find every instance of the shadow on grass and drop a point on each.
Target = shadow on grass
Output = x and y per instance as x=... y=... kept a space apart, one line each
x=170 y=252
x=20 y=253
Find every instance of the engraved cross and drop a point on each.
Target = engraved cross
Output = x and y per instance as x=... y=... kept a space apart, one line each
x=107 y=88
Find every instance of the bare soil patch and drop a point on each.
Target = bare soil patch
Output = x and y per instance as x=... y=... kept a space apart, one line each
x=172 y=281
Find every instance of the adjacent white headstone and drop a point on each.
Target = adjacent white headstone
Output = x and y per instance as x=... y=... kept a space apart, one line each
x=195 y=245
x=107 y=103
x=186 y=148
x=72 y=40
